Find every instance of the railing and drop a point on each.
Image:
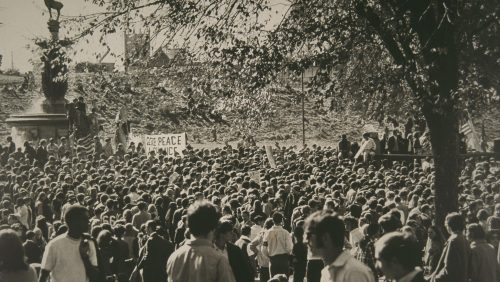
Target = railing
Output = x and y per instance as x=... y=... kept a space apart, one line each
x=423 y=156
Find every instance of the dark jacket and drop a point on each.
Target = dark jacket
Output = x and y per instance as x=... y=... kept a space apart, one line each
x=393 y=145
x=483 y=266
x=33 y=252
x=154 y=258
x=454 y=261
x=42 y=155
x=240 y=265
x=30 y=151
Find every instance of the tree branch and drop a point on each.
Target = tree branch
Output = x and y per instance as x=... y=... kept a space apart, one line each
x=388 y=40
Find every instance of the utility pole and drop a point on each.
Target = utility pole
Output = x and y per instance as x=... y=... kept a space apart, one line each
x=125 y=36
x=12 y=60
x=303 y=112
x=125 y=50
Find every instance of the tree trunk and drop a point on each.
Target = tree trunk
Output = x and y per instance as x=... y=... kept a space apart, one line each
x=440 y=107
x=443 y=129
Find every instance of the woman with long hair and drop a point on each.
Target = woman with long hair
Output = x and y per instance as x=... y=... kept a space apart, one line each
x=13 y=266
x=257 y=210
x=433 y=248
x=169 y=217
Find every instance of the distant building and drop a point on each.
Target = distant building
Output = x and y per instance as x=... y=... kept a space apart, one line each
x=164 y=57
x=84 y=67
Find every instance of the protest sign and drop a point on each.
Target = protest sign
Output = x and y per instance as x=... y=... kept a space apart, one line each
x=172 y=144
x=360 y=151
x=270 y=157
x=255 y=175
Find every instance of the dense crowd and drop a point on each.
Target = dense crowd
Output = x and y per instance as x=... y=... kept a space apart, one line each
x=225 y=215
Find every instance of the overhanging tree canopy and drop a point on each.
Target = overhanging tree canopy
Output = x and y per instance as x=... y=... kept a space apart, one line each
x=441 y=57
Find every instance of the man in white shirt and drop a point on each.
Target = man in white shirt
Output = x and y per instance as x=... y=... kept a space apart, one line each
x=257 y=247
x=69 y=257
x=24 y=212
x=368 y=147
x=325 y=236
x=279 y=246
x=257 y=227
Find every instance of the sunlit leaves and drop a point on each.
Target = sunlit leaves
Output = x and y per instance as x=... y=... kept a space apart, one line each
x=358 y=65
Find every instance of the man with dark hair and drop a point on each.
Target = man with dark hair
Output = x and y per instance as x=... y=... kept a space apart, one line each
x=142 y=216
x=279 y=246
x=155 y=254
x=11 y=145
x=197 y=260
x=394 y=142
x=70 y=256
x=482 y=265
x=398 y=257
x=344 y=147
x=240 y=263
x=29 y=152
x=243 y=243
x=454 y=260
x=325 y=234
x=33 y=252
x=42 y=155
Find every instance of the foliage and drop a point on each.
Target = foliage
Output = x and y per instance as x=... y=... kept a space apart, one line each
x=367 y=52
x=14 y=72
x=439 y=58
x=93 y=67
x=53 y=55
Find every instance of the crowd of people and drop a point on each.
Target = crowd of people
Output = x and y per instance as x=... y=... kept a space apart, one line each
x=225 y=215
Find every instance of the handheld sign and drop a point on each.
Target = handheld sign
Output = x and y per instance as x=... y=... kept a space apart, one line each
x=270 y=157
x=172 y=144
x=360 y=151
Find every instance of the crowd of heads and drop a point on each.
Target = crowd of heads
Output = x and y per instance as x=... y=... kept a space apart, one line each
x=315 y=194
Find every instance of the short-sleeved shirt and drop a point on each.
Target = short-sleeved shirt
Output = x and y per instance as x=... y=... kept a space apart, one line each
x=346 y=268
x=198 y=261
x=62 y=258
x=278 y=241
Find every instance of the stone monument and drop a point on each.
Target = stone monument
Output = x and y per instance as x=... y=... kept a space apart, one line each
x=48 y=116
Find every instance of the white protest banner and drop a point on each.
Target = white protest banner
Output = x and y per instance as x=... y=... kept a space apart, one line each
x=255 y=175
x=360 y=151
x=172 y=144
x=270 y=157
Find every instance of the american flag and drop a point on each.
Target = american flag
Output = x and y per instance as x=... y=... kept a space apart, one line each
x=466 y=129
x=472 y=138
x=85 y=145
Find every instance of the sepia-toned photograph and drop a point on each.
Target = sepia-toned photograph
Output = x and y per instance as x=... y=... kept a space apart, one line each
x=249 y=141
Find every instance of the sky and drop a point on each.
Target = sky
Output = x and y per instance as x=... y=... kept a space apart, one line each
x=23 y=20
